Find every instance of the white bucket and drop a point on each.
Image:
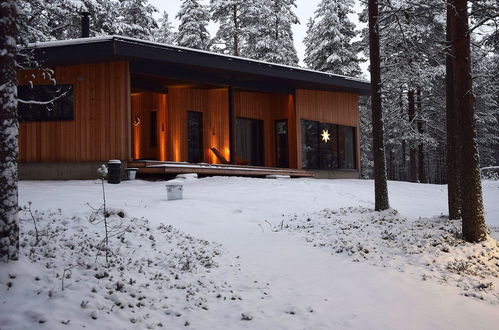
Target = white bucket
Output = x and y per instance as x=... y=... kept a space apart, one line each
x=131 y=173
x=174 y=189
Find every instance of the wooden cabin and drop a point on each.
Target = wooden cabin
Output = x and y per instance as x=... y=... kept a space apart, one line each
x=139 y=101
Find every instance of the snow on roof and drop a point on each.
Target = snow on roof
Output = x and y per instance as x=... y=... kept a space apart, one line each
x=59 y=43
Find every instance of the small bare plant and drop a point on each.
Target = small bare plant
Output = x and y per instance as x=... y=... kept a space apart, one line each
x=103 y=214
x=64 y=275
x=33 y=218
x=103 y=172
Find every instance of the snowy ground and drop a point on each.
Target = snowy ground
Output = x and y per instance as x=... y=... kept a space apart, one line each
x=262 y=254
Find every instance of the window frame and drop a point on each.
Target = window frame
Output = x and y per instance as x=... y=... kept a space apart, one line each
x=38 y=112
x=335 y=139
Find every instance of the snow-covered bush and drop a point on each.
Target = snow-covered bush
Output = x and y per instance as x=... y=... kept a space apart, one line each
x=430 y=248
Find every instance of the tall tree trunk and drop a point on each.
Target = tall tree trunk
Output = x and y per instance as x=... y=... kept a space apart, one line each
x=235 y=50
x=412 y=151
x=403 y=169
x=9 y=230
x=472 y=212
x=452 y=123
x=421 y=156
x=380 y=184
x=391 y=164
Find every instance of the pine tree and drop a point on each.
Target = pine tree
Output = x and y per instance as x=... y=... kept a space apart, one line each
x=380 y=184
x=192 y=30
x=472 y=211
x=413 y=57
x=137 y=20
x=164 y=33
x=366 y=161
x=452 y=125
x=329 y=46
x=271 y=37
x=45 y=20
x=232 y=17
x=9 y=230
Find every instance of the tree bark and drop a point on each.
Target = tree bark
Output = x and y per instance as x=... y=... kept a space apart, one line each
x=452 y=123
x=9 y=230
x=380 y=184
x=421 y=155
x=403 y=169
x=472 y=212
x=412 y=149
x=235 y=50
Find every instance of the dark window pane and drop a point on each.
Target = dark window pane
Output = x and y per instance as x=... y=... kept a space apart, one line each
x=349 y=148
x=310 y=144
x=328 y=146
x=249 y=140
x=282 y=152
x=195 y=136
x=346 y=142
x=45 y=103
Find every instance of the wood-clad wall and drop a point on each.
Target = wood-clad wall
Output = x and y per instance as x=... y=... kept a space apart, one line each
x=142 y=105
x=100 y=128
x=213 y=103
x=327 y=107
x=269 y=108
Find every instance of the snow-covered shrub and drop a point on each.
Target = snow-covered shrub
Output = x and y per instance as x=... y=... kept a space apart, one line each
x=156 y=273
x=490 y=173
x=430 y=248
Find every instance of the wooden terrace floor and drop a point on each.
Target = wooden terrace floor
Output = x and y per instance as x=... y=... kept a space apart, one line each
x=167 y=167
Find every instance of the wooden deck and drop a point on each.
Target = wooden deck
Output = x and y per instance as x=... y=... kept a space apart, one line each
x=160 y=167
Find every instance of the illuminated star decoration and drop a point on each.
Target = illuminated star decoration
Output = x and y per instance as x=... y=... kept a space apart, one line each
x=325 y=135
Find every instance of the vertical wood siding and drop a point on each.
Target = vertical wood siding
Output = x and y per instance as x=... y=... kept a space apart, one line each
x=142 y=106
x=269 y=108
x=213 y=103
x=100 y=128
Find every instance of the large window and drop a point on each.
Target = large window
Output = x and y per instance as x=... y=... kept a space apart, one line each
x=45 y=103
x=281 y=143
x=327 y=146
x=249 y=140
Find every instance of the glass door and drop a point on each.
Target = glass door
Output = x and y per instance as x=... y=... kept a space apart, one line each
x=195 y=136
x=249 y=140
x=281 y=143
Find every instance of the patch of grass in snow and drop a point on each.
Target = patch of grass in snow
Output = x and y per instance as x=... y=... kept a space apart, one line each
x=430 y=248
x=155 y=275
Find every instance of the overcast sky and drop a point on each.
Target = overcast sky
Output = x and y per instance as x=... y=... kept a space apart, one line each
x=304 y=10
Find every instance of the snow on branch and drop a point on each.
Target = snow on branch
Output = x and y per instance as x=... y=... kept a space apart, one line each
x=44 y=102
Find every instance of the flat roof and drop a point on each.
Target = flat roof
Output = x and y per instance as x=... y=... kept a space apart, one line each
x=162 y=60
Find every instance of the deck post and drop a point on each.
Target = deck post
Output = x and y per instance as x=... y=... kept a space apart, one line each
x=232 y=123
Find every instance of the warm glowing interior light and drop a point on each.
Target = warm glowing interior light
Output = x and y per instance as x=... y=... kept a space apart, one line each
x=176 y=149
x=325 y=135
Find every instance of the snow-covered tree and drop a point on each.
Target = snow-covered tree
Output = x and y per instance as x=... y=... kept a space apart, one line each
x=472 y=211
x=9 y=230
x=164 y=33
x=59 y=19
x=271 y=37
x=137 y=20
x=56 y=19
x=329 y=45
x=412 y=69
x=233 y=19
x=192 y=31
x=380 y=184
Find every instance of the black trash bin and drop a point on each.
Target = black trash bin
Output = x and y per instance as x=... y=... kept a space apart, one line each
x=114 y=171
